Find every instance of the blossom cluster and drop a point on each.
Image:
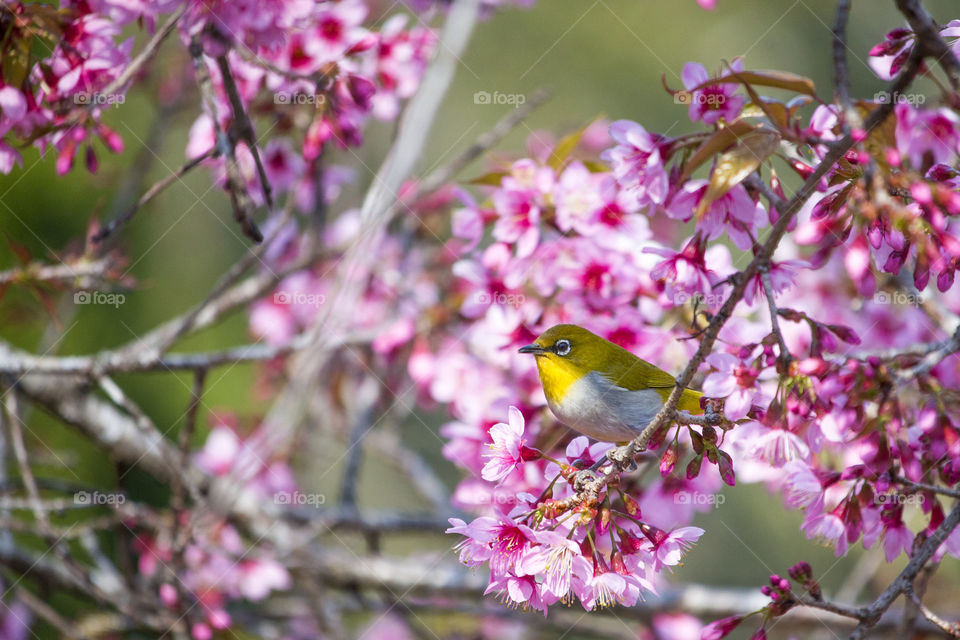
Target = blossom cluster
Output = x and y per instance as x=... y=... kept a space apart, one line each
x=541 y=551
x=213 y=570
x=608 y=228
x=311 y=70
x=587 y=239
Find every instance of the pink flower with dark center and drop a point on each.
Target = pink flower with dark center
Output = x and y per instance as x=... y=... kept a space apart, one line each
x=782 y=277
x=927 y=134
x=559 y=560
x=519 y=220
x=636 y=162
x=686 y=273
x=732 y=380
x=734 y=212
x=511 y=543
x=714 y=102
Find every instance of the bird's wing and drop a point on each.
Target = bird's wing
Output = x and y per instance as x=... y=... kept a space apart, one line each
x=634 y=374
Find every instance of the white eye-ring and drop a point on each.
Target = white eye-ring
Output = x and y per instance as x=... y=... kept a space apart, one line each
x=561 y=347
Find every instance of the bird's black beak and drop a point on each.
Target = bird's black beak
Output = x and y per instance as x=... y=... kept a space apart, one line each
x=532 y=348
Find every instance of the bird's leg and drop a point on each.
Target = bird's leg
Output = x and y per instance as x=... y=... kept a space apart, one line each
x=620 y=458
x=599 y=463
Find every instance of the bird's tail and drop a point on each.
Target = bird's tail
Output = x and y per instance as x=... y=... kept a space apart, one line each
x=690 y=401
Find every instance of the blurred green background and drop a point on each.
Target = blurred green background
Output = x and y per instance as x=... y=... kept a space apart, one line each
x=598 y=57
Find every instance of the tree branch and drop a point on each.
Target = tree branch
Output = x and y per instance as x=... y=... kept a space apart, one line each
x=929 y=42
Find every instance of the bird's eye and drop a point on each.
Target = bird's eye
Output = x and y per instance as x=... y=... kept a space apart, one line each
x=561 y=347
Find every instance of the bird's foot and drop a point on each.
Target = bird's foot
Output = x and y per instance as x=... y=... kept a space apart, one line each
x=622 y=457
x=582 y=479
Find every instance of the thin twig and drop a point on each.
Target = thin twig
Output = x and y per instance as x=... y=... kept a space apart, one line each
x=932 y=359
x=149 y=50
x=484 y=142
x=787 y=210
x=841 y=74
x=785 y=356
x=242 y=203
x=854 y=613
x=929 y=42
x=241 y=128
x=952 y=629
x=905 y=579
x=149 y=195
x=945 y=491
x=63 y=272
x=12 y=418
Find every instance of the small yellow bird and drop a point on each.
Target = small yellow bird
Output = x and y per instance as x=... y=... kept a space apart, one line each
x=599 y=388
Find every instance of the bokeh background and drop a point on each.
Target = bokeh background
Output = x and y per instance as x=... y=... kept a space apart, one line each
x=599 y=58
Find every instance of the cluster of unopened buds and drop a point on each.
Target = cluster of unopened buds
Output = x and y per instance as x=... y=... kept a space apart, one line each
x=782 y=599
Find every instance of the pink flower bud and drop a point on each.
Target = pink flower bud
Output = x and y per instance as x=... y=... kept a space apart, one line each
x=168 y=595
x=201 y=631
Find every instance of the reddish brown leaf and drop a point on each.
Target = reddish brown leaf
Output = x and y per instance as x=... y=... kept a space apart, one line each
x=765 y=78
x=735 y=165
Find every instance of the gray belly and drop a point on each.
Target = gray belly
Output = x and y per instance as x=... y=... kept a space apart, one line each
x=603 y=411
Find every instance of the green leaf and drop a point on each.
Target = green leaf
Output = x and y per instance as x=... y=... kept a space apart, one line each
x=16 y=62
x=492 y=179
x=558 y=157
x=595 y=167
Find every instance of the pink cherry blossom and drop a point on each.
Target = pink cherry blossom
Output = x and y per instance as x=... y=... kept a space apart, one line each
x=636 y=163
x=731 y=380
x=559 y=560
x=507 y=450
x=927 y=132
x=714 y=102
x=734 y=212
